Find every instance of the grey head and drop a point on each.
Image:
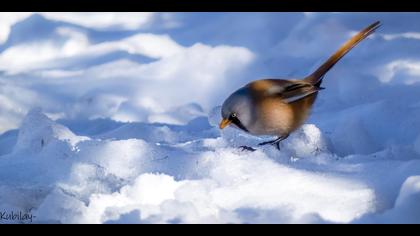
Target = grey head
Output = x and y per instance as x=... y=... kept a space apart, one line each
x=237 y=110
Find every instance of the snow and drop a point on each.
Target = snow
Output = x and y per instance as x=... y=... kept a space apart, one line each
x=113 y=118
x=37 y=131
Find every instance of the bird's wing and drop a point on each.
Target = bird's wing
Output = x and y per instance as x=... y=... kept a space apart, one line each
x=291 y=90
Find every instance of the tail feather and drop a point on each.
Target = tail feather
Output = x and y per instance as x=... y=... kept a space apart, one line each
x=316 y=77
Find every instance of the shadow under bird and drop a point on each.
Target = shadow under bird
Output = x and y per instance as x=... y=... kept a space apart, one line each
x=277 y=107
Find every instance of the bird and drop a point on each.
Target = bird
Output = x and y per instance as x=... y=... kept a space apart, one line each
x=278 y=107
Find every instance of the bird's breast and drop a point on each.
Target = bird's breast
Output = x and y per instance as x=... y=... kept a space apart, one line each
x=273 y=116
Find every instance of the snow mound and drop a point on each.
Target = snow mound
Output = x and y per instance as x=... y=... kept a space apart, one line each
x=231 y=185
x=406 y=209
x=131 y=174
x=38 y=131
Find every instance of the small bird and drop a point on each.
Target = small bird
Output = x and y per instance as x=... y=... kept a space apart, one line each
x=277 y=107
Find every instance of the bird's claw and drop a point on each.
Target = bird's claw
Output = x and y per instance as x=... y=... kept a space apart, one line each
x=246 y=148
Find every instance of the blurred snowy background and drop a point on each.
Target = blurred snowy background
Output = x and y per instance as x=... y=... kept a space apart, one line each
x=112 y=117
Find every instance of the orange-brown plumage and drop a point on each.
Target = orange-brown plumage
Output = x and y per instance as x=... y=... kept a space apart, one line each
x=280 y=106
x=278 y=116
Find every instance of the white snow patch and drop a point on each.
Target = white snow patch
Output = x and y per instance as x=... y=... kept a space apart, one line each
x=38 y=131
x=125 y=134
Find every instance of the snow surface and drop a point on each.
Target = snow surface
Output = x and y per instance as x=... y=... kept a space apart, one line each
x=113 y=118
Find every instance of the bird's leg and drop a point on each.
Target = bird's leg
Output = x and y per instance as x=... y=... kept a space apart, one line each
x=275 y=142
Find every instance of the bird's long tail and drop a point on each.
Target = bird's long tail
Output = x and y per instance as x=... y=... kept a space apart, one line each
x=316 y=77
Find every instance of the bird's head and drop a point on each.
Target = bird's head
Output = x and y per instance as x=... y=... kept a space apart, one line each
x=236 y=110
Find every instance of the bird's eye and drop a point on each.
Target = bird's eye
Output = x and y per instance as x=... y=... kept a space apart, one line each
x=233 y=115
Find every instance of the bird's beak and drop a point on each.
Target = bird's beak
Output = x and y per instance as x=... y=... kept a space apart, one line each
x=224 y=123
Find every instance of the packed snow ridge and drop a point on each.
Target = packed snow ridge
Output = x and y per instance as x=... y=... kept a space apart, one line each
x=124 y=176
